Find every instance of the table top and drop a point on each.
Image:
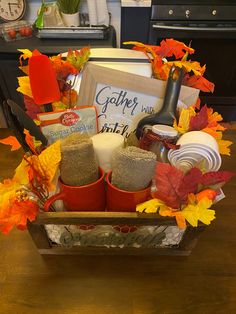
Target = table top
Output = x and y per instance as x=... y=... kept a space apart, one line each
x=204 y=282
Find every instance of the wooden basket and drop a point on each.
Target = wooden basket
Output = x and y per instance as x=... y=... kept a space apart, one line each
x=45 y=245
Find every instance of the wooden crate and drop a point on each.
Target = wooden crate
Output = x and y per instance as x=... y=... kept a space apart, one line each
x=46 y=246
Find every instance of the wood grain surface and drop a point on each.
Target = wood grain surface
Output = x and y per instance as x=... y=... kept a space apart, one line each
x=202 y=283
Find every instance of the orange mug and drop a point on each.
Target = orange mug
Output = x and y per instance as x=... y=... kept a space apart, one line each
x=90 y=197
x=124 y=201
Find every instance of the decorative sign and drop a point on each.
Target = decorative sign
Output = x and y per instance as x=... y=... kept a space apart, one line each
x=115 y=236
x=119 y=110
x=123 y=98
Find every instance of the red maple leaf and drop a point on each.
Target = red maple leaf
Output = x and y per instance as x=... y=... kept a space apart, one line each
x=199 y=121
x=216 y=177
x=31 y=108
x=190 y=183
x=168 y=180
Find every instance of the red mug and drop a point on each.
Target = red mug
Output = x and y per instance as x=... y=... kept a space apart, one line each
x=90 y=197
x=124 y=201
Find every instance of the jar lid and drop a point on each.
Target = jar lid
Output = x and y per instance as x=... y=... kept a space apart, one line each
x=164 y=130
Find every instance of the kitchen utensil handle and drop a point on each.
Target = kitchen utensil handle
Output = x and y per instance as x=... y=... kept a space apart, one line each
x=172 y=91
x=48 y=108
x=190 y=28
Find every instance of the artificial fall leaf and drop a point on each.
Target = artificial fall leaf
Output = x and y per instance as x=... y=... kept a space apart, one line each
x=150 y=206
x=31 y=108
x=183 y=123
x=169 y=212
x=171 y=47
x=143 y=47
x=24 y=69
x=31 y=142
x=189 y=183
x=26 y=54
x=209 y=193
x=198 y=82
x=21 y=173
x=17 y=214
x=59 y=105
x=49 y=161
x=216 y=177
x=168 y=180
x=78 y=58
x=199 y=212
x=12 y=141
x=7 y=192
x=224 y=147
x=62 y=68
x=199 y=121
x=214 y=118
x=24 y=86
x=189 y=66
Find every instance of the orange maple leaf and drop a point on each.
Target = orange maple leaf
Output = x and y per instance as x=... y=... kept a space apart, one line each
x=17 y=214
x=12 y=141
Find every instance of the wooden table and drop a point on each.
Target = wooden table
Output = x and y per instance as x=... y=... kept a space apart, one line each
x=204 y=282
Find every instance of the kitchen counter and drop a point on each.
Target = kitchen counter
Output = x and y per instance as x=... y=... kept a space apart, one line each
x=54 y=46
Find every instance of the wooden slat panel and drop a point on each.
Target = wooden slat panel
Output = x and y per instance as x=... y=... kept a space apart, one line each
x=114 y=251
x=103 y=218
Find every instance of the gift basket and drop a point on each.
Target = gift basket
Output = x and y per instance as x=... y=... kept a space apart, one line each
x=122 y=164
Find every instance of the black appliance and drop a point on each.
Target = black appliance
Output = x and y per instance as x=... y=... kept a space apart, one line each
x=210 y=26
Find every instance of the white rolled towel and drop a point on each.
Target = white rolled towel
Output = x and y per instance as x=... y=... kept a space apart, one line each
x=102 y=12
x=92 y=11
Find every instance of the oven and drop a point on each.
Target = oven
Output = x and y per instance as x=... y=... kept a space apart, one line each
x=210 y=27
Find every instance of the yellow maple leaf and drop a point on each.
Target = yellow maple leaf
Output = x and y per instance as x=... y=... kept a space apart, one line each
x=199 y=212
x=21 y=173
x=49 y=161
x=224 y=147
x=7 y=192
x=24 y=86
x=24 y=69
x=189 y=66
x=150 y=206
x=183 y=124
x=26 y=54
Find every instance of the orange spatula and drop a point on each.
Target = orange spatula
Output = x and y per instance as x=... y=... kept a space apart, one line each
x=43 y=80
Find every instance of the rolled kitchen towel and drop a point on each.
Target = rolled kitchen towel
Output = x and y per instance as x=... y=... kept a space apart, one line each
x=78 y=162
x=102 y=12
x=133 y=168
x=92 y=11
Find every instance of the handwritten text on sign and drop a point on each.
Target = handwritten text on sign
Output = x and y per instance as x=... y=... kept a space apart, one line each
x=120 y=110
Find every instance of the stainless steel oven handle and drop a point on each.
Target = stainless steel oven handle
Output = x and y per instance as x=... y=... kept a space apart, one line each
x=204 y=29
